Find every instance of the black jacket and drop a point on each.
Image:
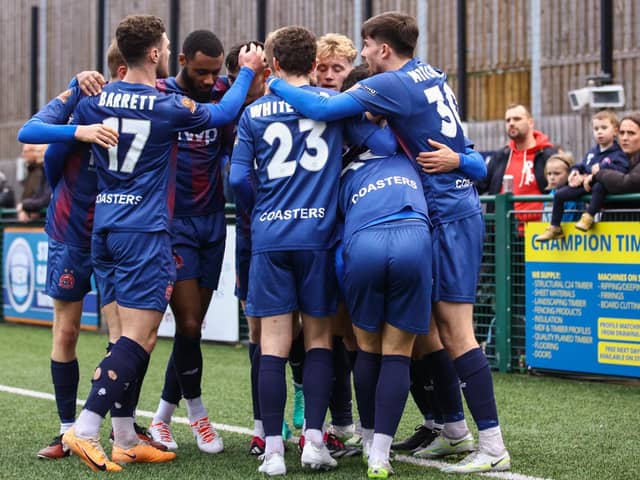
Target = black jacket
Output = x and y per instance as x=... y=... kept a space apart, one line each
x=497 y=164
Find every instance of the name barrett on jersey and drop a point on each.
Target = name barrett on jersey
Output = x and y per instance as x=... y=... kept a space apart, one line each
x=126 y=100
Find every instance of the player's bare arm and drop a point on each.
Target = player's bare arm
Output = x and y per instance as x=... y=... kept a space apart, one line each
x=252 y=57
x=441 y=160
x=97 y=133
x=90 y=82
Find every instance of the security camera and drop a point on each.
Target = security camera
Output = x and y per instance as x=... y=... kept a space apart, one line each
x=607 y=96
x=602 y=96
x=579 y=98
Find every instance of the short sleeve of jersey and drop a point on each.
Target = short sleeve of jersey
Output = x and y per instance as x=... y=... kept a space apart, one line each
x=382 y=94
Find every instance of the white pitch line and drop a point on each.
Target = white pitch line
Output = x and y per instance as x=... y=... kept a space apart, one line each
x=246 y=431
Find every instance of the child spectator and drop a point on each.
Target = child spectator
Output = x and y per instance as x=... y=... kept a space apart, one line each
x=607 y=155
x=557 y=171
x=625 y=182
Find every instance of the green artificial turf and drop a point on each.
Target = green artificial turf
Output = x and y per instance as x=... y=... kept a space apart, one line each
x=554 y=428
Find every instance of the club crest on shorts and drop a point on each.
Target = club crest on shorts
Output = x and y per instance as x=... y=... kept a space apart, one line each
x=177 y=258
x=168 y=291
x=67 y=280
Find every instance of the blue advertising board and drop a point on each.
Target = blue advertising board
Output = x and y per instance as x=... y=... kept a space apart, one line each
x=24 y=274
x=583 y=299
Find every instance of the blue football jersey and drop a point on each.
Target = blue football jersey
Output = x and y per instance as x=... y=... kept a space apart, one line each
x=373 y=187
x=298 y=164
x=70 y=213
x=199 y=189
x=72 y=177
x=419 y=105
x=136 y=178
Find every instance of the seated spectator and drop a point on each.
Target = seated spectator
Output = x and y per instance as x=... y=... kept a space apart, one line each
x=7 y=197
x=619 y=182
x=36 y=192
x=606 y=154
x=557 y=172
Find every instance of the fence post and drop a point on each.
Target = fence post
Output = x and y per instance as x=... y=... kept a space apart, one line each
x=503 y=227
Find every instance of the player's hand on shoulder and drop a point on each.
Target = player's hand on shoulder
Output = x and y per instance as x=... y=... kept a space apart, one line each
x=97 y=133
x=252 y=57
x=440 y=160
x=90 y=82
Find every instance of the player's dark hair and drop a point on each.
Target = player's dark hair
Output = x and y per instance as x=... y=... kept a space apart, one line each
x=358 y=73
x=231 y=61
x=295 y=49
x=398 y=30
x=204 y=41
x=136 y=34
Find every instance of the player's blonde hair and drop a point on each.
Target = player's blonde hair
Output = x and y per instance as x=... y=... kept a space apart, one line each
x=336 y=45
x=114 y=59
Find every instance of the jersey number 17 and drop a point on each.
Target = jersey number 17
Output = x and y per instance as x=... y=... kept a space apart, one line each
x=140 y=129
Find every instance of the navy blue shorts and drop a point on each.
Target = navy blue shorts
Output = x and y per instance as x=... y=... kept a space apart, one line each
x=340 y=270
x=139 y=266
x=457 y=255
x=243 y=260
x=69 y=271
x=281 y=282
x=198 y=243
x=388 y=276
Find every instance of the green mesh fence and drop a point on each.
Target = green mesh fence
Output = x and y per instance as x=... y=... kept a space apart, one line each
x=499 y=313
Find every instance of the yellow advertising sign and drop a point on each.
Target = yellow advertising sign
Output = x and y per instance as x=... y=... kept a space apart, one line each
x=607 y=242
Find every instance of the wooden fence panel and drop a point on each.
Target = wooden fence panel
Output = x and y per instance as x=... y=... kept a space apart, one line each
x=319 y=16
x=69 y=50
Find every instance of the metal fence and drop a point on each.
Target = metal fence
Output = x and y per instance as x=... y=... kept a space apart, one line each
x=499 y=313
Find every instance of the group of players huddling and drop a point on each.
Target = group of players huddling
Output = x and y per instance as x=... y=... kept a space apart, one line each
x=361 y=203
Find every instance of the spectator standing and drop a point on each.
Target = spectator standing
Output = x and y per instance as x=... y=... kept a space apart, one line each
x=524 y=158
x=36 y=192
